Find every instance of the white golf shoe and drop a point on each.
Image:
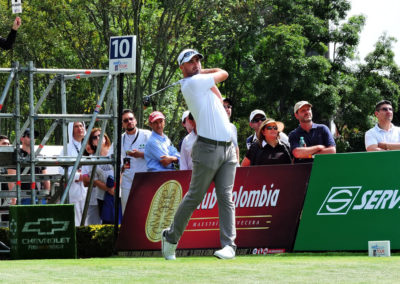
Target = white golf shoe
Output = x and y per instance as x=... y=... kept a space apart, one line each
x=167 y=249
x=227 y=252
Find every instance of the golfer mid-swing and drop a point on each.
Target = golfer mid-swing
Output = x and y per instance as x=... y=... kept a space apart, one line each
x=214 y=157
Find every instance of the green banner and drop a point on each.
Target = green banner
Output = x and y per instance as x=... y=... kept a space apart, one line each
x=42 y=231
x=351 y=199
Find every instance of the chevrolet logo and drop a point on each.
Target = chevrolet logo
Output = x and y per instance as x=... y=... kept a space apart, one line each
x=45 y=226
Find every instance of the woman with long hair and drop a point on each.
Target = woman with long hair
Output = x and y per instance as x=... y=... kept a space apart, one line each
x=104 y=178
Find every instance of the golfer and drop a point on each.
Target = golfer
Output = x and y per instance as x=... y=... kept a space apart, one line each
x=213 y=154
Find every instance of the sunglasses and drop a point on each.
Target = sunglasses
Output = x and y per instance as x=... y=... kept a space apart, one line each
x=95 y=137
x=227 y=106
x=187 y=54
x=255 y=120
x=126 y=120
x=386 y=109
x=272 y=127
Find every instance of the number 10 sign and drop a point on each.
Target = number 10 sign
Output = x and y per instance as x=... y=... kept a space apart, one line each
x=122 y=54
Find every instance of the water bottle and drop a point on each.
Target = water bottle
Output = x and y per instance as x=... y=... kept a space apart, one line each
x=302 y=143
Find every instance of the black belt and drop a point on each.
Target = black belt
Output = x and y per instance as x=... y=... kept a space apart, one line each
x=214 y=142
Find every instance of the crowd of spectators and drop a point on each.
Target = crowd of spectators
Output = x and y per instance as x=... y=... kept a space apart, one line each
x=144 y=150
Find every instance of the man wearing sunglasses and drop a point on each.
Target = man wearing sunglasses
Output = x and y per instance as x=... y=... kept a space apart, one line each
x=257 y=117
x=133 y=142
x=384 y=135
x=213 y=154
x=317 y=137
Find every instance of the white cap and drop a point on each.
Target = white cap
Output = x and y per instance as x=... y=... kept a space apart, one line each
x=255 y=112
x=300 y=104
x=186 y=55
x=184 y=115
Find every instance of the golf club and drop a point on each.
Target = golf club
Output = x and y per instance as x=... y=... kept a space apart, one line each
x=147 y=99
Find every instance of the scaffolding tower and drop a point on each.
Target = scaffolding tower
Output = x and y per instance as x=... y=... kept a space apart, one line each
x=9 y=157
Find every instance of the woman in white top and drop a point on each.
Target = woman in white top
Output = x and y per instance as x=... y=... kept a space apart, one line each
x=104 y=178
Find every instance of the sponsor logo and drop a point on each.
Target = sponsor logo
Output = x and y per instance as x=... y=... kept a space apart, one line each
x=162 y=209
x=245 y=198
x=45 y=226
x=266 y=251
x=379 y=250
x=342 y=200
x=339 y=200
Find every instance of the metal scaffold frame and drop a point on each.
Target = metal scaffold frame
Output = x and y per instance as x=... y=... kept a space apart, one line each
x=108 y=96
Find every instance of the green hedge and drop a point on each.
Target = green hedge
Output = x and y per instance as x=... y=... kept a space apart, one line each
x=92 y=241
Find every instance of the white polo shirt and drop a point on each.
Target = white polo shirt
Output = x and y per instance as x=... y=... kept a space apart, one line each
x=212 y=122
x=377 y=134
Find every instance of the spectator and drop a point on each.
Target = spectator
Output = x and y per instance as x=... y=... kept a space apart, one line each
x=187 y=126
x=104 y=179
x=4 y=141
x=159 y=153
x=93 y=213
x=228 y=108
x=384 y=135
x=269 y=149
x=7 y=43
x=25 y=152
x=77 y=192
x=257 y=117
x=185 y=162
x=317 y=137
x=133 y=143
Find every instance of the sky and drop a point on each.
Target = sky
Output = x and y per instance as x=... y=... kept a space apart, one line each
x=381 y=16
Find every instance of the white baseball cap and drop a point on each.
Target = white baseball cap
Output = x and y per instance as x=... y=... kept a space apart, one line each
x=184 y=115
x=255 y=112
x=186 y=55
x=300 y=104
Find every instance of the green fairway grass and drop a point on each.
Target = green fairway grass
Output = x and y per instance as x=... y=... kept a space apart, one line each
x=300 y=268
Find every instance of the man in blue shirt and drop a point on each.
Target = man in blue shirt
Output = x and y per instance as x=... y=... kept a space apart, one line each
x=317 y=137
x=159 y=153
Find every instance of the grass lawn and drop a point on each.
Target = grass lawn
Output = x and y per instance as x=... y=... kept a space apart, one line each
x=300 y=268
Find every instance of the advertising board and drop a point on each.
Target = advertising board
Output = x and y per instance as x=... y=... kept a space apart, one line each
x=42 y=231
x=268 y=202
x=352 y=198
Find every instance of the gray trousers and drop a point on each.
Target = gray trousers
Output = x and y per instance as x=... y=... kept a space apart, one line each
x=210 y=163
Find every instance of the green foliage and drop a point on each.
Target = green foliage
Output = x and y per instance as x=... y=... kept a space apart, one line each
x=5 y=236
x=95 y=240
x=276 y=53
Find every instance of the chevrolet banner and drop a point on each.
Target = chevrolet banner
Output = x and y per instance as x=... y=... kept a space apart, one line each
x=42 y=231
